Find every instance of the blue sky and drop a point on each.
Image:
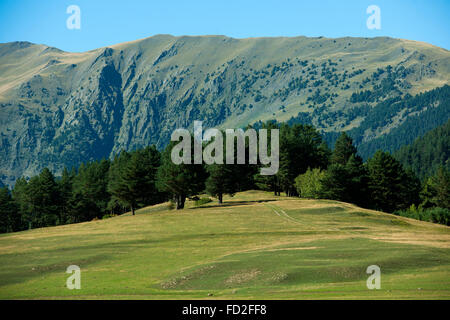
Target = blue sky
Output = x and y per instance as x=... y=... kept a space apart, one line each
x=109 y=22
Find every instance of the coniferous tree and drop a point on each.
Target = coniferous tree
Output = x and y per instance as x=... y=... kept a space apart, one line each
x=37 y=200
x=9 y=217
x=90 y=197
x=426 y=154
x=221 y=180
x=132 y=178
x=244 y=174
x=268 y=182
x=436 y=191
x=335 y=183
x=20 y=197
x=47 y=199
x=301 y=147
x=323 y=156
x=179 y=180
x=346 y=177
x=343 y=149
x=33 y=199
x=65 y=185
x=229 y=178
x=115 y=173
x=358 y=181
x=390 y=186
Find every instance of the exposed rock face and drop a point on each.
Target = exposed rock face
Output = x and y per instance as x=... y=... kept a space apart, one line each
x=58 y=109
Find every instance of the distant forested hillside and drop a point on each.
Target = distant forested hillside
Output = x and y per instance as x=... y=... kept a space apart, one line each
x=418 y=115
x=392 y=123
x=427 y=153
x=60 y=109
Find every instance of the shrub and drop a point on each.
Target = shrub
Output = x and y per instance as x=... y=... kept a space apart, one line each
x=440 y=215
x=202 y=201
x=435 y=214
x=308 y=185
x=108 y=215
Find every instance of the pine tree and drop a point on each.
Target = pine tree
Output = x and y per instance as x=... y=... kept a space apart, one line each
x=343 y=149
x=301 y=147
x=269 y=182
x=20 y=197
x=37 y=200
x=65 y=185
x=436 y=191
x=179 y=180
x=90 y=197
x=358 y=181
x=48 y=199
x=32 y=198
x=222 y=180
x=335 y=183
x=229 y=178
x=346 y=177
x=9 y=218
x=390 y=186
x=132 y=178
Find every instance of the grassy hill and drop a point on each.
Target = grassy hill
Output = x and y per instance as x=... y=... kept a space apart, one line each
x=60 y=109
x=255 y=245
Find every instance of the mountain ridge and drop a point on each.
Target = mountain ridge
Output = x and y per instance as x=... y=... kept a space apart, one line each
x=59 y=108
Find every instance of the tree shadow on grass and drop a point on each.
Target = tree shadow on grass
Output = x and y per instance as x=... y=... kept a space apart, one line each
x=232 y=204
x=37 y=269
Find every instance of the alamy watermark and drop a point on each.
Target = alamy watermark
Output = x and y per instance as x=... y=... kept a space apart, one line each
x=213 y=152
x=374 y=20
x=74 y=281
x=374 y=280
x=74 y=20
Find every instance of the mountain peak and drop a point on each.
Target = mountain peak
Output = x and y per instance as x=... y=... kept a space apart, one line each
x=60 y=108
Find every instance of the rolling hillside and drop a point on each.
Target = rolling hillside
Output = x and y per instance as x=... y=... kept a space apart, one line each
x=254 y=246
x=58 y=108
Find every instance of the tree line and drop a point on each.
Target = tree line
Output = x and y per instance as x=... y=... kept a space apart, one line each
x=381 y=183
x=308 y=168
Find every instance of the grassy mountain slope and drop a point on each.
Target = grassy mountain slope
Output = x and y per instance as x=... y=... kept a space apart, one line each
x=254 y=246
x=400 y=122
x=59 y=108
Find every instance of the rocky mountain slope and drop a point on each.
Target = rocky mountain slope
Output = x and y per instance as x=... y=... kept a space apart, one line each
x=59 y=108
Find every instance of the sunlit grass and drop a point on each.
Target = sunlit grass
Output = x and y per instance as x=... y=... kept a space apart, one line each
x=255 y=245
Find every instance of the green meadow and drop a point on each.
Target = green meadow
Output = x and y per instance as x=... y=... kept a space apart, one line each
x=254 y=246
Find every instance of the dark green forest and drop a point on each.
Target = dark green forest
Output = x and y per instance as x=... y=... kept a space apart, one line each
x=419 y=114
x=308 y=168
x=426 y=154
